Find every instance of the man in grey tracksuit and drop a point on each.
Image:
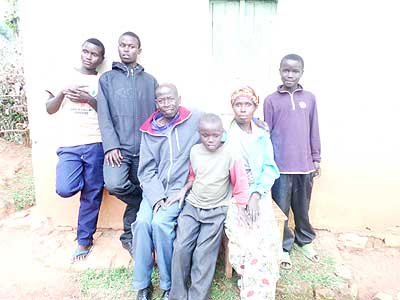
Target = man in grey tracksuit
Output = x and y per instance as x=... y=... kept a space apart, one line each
x=167 y=137
x=125 y=100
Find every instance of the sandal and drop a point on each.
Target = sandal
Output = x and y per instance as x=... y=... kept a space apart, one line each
x=309 y=252
x=81 y=254
x=286 y=262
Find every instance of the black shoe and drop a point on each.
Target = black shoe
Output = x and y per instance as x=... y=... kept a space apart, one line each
x=128 y=247
x=165 y=295
x=144 y=294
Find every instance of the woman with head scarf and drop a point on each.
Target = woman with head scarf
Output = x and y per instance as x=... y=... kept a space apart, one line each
x=254 y=244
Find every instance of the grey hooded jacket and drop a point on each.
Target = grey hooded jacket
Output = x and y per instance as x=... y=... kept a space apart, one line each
x=126 y=98
x=164 y=158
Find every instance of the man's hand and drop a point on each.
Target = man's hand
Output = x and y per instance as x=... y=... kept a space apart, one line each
x=158 y=205
x=113 y=158
x=253 y=207
x=178 y=196
x=317 y=172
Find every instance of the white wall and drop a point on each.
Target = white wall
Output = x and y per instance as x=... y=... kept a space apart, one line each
x=351 y=64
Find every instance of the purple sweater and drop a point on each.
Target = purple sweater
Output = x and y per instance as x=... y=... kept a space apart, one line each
x=293 y=122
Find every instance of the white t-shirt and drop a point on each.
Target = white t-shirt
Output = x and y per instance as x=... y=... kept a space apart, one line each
x=78 y=123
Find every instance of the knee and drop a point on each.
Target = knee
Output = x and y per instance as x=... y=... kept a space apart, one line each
x=160 y=225
x=141 y=223
x=65 y=192
x=114 y=185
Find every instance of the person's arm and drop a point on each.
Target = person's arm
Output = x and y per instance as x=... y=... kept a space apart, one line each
x=108 y=135
x=81 y=96
x=180 y=195
x=153 y=189
x=240 y=183
x=265 y=176
x=53 y=104
x=315 y=141
x=268 y=113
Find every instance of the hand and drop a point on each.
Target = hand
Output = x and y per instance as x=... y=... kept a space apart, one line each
x=253 y=207
x=178 y=196
x=78 y=95
x=317 y=172
x=261 y=124
x=113 y=158
x=160 y=203
x=243 y=217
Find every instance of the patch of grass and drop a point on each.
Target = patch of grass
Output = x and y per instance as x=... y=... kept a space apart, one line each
x=23 y=191
x=306 y=275
x=110 y=284
x=106 y=284
x=297 y=283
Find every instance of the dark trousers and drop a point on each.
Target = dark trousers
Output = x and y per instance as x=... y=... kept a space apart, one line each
x=123 y=183
x=80 y=169
x=294 y=191
x=196 y=248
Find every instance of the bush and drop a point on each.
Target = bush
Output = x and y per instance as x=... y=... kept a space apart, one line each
x=13 y=104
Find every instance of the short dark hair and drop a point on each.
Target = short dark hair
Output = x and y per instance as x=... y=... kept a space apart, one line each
x=211 y=119
x=96 y=42
x=134 y=35
x=293 y=57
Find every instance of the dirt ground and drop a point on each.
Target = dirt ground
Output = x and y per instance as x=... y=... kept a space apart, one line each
x=35 y=254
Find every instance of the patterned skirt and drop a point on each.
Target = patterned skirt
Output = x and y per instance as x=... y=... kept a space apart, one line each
x=255 y=252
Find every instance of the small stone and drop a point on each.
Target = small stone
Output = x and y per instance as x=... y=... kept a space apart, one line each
x=392 y=239
x=382 y=296
x=344 y=272
x=324 y=294
x=64 y=228
x=353 y=240
x=97 y=235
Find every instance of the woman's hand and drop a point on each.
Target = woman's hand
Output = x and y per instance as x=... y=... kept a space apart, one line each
x=253 y=208
x=243 y=217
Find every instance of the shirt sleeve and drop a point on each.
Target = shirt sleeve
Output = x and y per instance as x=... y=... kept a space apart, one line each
x=268 y=113
x=315 y=141
x=153 y=189
x=192 y=175
x=240 y=183
x=264 y=170
x=108 y=135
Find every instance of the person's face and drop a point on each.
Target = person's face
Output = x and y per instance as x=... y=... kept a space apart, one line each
x=128 y=49
x=91 y=56
x=243 y=109
x=210 y=135
x=291 y=72
x=167 y=102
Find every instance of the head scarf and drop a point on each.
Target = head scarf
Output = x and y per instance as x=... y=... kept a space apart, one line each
x=245 y=92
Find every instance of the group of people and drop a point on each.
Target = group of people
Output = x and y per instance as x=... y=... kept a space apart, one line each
x=184 y=178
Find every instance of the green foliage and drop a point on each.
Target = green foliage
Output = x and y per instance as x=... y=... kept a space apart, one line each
x=23 y=191
x=12 y=17
x=106 y=284
x=13 y=104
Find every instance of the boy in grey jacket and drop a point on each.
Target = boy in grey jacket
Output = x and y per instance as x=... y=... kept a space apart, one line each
x=125 y=100
x=167 y=137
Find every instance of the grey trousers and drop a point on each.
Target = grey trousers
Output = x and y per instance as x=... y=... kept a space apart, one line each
x=196 y=248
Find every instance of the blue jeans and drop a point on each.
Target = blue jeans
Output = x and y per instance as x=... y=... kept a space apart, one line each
x=80 y=169
x=153 y=231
